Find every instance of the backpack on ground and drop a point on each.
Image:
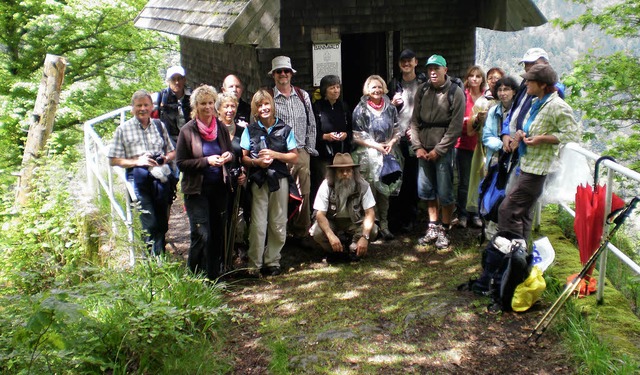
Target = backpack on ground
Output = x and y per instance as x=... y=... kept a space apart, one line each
x=505 y=265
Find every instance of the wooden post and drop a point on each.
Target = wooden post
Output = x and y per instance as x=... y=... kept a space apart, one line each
x=42 y=121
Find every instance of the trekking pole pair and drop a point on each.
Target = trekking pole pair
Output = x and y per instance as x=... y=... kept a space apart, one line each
x=568 y=290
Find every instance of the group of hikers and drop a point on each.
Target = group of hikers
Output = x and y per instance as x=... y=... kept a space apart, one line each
x=285 y=167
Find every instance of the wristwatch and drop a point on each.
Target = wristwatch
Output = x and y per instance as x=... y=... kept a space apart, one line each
x=366 y=237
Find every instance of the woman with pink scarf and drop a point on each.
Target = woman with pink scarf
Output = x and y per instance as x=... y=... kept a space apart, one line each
x=203 y=150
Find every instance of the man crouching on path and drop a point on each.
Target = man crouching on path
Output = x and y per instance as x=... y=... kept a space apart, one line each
x=344 y=212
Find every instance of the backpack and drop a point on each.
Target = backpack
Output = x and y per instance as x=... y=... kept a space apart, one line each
x=505 y=264
x=492 y=189
x=456 y=82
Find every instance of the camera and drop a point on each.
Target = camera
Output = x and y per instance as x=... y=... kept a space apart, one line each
x=158 y=157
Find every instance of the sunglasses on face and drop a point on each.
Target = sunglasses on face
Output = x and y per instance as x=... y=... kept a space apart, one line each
x=280 y=71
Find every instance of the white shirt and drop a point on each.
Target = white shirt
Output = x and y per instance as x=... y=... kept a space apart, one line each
x=322 y=200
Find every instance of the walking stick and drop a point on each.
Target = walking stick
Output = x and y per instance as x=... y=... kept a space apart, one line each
x=541 y=327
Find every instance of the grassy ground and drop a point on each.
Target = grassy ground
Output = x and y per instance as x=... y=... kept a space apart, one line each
x=398 y=312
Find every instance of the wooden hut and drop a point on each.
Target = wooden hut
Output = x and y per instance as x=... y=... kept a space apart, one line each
x=350 y=38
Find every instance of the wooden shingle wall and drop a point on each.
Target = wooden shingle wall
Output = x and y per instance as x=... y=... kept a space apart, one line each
x=427 y=27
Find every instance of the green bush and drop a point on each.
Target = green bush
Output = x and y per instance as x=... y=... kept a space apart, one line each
x=63 y=312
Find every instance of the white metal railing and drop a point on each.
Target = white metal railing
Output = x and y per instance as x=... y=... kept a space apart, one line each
x=612 y=168
x=100 y=174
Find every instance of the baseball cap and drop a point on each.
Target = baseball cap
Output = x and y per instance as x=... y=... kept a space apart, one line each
x=407 y=54
x=177 y=69
x=437 y=60
x=541 y=73
x=533 y=54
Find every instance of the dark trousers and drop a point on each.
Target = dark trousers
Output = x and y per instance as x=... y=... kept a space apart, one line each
x=516 y=211
x=207 y=219
x=463 y=160
x=154 y=198
x=403 y=208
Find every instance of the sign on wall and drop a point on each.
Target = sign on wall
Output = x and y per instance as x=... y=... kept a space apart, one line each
x=326 y=60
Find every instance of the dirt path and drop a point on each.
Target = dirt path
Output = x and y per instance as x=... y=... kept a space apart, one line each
x=395 y=312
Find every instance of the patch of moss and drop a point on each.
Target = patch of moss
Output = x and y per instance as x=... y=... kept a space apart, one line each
x=613 y=321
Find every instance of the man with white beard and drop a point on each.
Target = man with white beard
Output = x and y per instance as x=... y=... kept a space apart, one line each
x=345 y=213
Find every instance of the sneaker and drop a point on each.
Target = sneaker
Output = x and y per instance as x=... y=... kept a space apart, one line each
x=476 y=222
x=432 y=234
x=442 y=242
x=462 y=222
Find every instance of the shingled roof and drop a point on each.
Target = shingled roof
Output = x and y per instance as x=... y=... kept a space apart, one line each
x=245 y=22
x=509 y=15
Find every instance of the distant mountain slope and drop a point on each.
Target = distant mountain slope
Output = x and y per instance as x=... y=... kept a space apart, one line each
x=505 y=49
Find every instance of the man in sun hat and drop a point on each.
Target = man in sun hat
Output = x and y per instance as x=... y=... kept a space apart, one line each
x=436 y=124
x=345 y=212
x=293 y=107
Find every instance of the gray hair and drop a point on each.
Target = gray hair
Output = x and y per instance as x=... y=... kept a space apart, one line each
x=139 y=95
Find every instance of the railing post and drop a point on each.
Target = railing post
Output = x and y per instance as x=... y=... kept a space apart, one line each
x=605 y=229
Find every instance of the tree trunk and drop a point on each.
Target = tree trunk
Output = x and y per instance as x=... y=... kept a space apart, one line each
x=42 y=121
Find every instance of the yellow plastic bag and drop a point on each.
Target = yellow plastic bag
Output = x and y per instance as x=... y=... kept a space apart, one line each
x=529 y=291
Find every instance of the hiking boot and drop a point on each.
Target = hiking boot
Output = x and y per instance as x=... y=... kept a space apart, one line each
x=442 y=242
x=386 y=235
x=432 y=234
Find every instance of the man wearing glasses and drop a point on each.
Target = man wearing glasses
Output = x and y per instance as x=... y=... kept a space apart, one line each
x=293 y=107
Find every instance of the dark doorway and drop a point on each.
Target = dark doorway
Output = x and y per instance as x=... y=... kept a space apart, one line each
x=362 y=56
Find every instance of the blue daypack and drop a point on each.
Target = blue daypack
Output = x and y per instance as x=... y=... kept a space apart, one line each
x=492 y=189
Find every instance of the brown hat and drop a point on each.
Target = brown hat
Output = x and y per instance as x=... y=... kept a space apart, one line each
x=342 y=161
x=542 y=73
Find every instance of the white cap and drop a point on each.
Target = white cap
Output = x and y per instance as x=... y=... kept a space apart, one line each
x=533 y=54
x=173 y=71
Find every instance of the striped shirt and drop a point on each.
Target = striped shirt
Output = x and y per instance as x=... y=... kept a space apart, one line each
x=132 y=140
x=292 y=112
x=555 y=118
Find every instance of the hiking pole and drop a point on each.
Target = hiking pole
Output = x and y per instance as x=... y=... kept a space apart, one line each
x=541 y=327
x=231 y=234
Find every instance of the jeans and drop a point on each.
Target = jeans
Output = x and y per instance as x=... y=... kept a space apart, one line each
x=207 y=213
x=154 y=198
x=435 y=179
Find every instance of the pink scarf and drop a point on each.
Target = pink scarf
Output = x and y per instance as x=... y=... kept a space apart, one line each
x=208 y=132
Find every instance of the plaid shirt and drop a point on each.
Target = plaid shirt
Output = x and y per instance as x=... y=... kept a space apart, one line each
x=555 y=118
x=292 y=112
x=132 y=140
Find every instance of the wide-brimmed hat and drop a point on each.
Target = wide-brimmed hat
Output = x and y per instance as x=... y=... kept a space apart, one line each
x=542 y=73
x=281 y=62
x=533 y=54
x=343 y=160
x=177 y=69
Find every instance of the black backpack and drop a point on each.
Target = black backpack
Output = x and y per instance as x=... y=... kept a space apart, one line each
x=501 y=273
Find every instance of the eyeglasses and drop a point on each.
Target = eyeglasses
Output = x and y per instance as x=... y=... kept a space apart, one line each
x=280 y=71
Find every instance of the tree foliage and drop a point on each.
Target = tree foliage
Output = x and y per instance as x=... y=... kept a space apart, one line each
x=606 y=89
x=108 y=59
